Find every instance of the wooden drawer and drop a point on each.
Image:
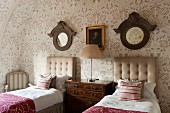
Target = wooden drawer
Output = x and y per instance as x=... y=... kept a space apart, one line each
x=85 y=93
x=74 y=85
x=75 y=92
x=93 y=87
x=86 y=86
x=93 y=95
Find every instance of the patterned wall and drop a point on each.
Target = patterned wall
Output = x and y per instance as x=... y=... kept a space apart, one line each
x=25 y=43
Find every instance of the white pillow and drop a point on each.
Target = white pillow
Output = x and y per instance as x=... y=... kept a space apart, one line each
x=149 y=91
x=60 y=82
x=117 y=91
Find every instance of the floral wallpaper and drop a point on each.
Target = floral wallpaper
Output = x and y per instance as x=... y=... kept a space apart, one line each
x=24 y=42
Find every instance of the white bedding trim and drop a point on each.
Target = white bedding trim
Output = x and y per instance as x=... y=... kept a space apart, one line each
x=42 y=98
x=145 y=105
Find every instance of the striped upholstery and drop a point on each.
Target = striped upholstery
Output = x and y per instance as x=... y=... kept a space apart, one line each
x=43 y=82
x=15 y=80
x=130 y=90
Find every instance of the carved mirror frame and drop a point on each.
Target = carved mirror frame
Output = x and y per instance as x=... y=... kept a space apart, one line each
x=135 y=31
x=62 y=28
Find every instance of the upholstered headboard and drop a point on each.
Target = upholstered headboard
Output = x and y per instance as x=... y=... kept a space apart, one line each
x=135 y=68
x=61 y=66
x=17 y=79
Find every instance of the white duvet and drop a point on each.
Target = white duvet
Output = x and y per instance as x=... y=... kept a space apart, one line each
x=145 y=105
x=41 y=98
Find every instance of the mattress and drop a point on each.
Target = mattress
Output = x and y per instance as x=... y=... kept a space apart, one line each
x=145 y=105
x=42 y=98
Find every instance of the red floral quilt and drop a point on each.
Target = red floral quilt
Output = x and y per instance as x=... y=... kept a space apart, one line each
x=101 y=109
x=16 y=104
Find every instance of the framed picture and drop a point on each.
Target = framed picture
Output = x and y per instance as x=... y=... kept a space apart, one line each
x=95 y=35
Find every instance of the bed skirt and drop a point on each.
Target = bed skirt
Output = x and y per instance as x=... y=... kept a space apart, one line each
x=57 y=108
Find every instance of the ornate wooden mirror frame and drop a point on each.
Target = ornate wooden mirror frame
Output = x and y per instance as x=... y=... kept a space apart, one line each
x=134 y=31
x=62 y=36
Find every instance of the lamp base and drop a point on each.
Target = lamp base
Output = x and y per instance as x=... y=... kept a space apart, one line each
x=92 y=80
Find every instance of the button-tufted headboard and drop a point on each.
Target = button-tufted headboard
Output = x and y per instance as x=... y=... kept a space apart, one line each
x=135 y=68
x=61 y=66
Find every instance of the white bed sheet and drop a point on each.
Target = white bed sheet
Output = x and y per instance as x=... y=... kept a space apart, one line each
x=42 y=98
x=145 y=105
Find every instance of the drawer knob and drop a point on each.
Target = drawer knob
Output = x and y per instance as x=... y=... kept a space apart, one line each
x=75 y=86
x=75 y=92
x=93 y=87
x=94 y=95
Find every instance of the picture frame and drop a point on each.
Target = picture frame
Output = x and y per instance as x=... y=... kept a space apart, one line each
x=96 y=35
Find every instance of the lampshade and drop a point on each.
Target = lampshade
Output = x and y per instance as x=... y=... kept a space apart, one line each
x=91 y=51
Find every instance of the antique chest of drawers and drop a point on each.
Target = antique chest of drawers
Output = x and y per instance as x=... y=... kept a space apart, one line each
x=81 y=95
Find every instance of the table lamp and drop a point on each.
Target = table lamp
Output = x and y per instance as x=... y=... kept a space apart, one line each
x=91 y=51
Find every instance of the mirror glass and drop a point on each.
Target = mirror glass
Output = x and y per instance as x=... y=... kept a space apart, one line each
x=62 y=39
x=134 y=35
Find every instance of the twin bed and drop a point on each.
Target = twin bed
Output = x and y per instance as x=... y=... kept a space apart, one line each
x=133 y=68
x=139 y=69
x=45 y=101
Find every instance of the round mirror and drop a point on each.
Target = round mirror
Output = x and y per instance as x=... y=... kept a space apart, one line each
x=62 y=39
x=62 y=36
x=134 y=35
x=134 y=31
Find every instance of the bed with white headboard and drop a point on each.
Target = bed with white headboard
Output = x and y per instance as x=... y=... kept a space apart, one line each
x=137 y=74
x=50 y=100
x=62 y=66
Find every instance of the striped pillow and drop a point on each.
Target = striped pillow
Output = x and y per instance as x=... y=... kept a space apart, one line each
x=43 y=82
x=130 y=91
